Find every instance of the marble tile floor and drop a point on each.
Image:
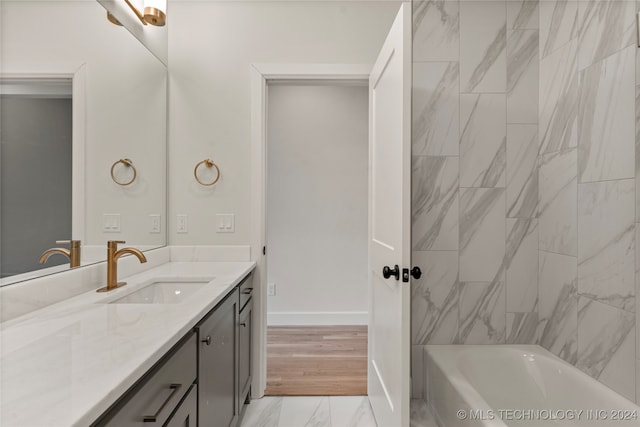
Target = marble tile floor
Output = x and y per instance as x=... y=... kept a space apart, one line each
x=323 y=411
x=420 y=415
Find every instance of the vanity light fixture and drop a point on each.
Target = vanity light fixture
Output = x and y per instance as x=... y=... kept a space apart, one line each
x=154 y=13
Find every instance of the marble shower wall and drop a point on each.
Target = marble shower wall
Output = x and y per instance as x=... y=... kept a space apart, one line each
x=475 y=173
x=526 y=182
x=587 y=188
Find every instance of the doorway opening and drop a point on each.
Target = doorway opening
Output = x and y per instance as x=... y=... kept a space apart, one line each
x=316 y=233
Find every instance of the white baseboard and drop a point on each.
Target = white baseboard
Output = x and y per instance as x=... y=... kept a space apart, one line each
x=317 y=318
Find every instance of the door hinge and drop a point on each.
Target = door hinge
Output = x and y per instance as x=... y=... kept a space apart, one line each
x=264 y=250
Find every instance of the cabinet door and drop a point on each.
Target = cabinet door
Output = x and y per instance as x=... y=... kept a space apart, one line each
x=244 y=353
x=187 y=413
x=217 y=370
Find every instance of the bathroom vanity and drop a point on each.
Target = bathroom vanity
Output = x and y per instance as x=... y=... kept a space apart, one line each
x=171 y=348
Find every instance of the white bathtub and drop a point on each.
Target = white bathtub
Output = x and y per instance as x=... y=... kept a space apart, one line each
x=517 y=385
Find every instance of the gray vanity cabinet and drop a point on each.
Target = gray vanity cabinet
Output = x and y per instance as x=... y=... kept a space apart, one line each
x=187 y=413
x=244 y=354
x=217 y=365
x=204 y=380
x=159 y=393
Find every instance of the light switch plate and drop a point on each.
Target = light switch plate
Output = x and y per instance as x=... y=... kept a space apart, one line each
x=225 y=223
x=182 y=225
x=154 y=222
x=111 y=223
x=271 y=289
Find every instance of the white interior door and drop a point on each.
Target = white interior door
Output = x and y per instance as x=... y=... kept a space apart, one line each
x=389 y=225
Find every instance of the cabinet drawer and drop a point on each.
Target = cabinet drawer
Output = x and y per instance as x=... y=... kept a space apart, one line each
x=157 y=395
x=187 y=413
x=246 y=290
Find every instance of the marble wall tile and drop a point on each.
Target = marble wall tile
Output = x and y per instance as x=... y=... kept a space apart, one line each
x=434 y=298
x=606 y=345
x=558 y=24
x=638 y=381
x=558 y=111
x=482 y=234
x=558 y=202
x=417 y=372
x=436 y=109
x=482 y=313
x=482 y=46
x=420 y=415
x=483 y=140
x=522 y=76
x=605 y=28
x=638 y=152
x=558 y=305
x=522 y=171
x=523 y=15
x=637 y=232
x=522 y=328
x=606 y=119
x=436 y=30
x=606 y=232
x=434 y=203
x=522 y=265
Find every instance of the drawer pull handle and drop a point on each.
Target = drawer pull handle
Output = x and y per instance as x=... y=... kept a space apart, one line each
x=153 y=418
x=207 y=340
x=247 y=291
x=243 y=324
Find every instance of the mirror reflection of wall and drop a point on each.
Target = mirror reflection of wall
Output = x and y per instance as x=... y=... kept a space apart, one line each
x=118 y=109
x=35 y=172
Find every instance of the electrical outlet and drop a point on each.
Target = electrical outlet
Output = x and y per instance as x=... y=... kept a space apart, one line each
x=225 y=223
x=111 y=223
x=182 y=225
x=271 y=289
x=154 y=223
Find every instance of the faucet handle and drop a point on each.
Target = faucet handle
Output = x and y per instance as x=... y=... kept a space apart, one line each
x=72 y=243
x=113 y=244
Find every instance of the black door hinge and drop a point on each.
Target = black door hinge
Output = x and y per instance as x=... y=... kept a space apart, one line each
x=264 y=250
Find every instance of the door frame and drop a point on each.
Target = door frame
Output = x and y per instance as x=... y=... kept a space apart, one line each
x=260 y=75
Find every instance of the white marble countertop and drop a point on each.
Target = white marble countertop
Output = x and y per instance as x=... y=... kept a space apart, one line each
x=65 y=364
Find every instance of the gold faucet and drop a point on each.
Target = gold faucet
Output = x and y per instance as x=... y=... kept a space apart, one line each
x=73 y=253
x=113 y=254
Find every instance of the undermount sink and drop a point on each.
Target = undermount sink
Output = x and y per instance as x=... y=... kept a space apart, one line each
x=163 y=291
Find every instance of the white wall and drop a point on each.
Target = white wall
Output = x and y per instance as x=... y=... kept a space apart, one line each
x=125 y=105
x=211 y=48
x=317 y=192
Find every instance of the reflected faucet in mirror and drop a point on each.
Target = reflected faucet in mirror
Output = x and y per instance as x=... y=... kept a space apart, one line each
x=73 y=253
x=113 y=254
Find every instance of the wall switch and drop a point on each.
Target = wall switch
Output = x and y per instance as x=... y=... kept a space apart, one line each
x=182 y=224
x=225 y=223
x=154 y=221
x=271 y=289
x=111 y=223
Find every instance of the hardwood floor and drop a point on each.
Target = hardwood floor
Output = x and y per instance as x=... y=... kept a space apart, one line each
x=316 y=360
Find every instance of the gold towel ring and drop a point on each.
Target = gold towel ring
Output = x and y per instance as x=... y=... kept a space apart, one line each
x=127 y=163
x=208 y=163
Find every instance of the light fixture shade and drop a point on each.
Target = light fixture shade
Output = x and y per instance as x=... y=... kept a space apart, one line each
x=155 y=12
